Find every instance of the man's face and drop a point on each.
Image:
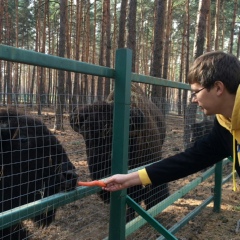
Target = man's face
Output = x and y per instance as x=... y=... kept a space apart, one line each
x=206 y=99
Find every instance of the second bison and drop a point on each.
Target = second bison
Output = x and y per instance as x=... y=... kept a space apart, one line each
x=146 y=136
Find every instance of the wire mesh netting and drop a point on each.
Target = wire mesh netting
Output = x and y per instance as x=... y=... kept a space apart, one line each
x=38 y=161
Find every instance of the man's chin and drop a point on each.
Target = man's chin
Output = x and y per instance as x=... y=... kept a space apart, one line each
x=207 y=113
x=204 y=111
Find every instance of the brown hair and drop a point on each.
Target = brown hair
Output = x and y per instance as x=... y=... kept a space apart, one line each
x=216 y=66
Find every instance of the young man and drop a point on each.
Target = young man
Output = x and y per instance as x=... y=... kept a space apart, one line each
x=214 y=78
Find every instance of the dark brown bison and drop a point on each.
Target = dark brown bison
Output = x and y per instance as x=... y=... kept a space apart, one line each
x=34 y=165
x=147 y=133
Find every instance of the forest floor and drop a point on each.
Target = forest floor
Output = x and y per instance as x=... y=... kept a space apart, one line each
x=88 y=218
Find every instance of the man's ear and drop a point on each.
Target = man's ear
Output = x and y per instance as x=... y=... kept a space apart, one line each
x=220 y=87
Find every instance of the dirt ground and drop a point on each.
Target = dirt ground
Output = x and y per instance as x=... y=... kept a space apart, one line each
x=87 y=219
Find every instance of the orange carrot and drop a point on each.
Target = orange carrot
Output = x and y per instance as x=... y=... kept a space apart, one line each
x=97 y=183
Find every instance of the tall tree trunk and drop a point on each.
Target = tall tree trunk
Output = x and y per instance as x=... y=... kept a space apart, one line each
x=181 y=69
x=122 y=24
x=83 y=58
x=68 y=95
x=167 y=43
x=88 y=43
x=222 y=27
x=108 y=47
x=208 y=32
x=131 y=40
x=1 y=30
x=61 y=74
x=158 y=92
x=43 y=49
x=101 y=82
x=76 y=90
x=216 y=30
x=185 y=92
x=50 y=71
x=167 y=39
x=15 y=77
x=200 y=33
x=37 y=75
x=233 y=25
x=114 y=34
x=8 y=76
x=93 y=81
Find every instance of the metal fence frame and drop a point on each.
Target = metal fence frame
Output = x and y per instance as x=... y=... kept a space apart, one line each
x=123 y=77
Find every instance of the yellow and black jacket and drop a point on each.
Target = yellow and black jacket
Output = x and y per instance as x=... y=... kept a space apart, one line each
x=222 y=142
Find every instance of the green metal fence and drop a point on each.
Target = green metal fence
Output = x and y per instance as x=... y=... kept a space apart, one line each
x=123 y=78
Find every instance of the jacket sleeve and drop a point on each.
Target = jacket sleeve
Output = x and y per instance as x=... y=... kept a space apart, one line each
x=207 y=151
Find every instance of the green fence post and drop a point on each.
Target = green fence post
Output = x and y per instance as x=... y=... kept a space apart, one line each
x=218 y=187
x=120 y=140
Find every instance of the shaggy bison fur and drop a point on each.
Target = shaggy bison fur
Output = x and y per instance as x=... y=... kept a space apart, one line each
x=146 y=136
x=34 y=165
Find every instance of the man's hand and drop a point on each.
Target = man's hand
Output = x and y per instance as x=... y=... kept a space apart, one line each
x=121 y=181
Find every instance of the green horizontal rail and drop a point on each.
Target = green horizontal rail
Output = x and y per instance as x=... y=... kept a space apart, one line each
x=30 y=57
x=13 y=54
x=158 y=81
x=33 y=209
